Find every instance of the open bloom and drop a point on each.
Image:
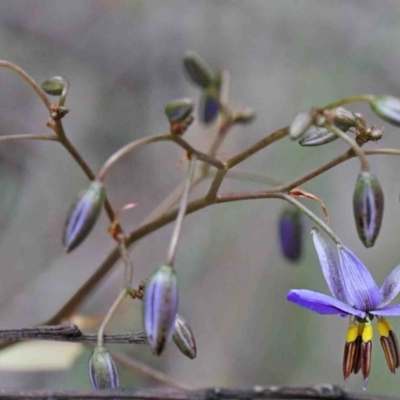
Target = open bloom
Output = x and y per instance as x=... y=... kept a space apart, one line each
x=355 y=294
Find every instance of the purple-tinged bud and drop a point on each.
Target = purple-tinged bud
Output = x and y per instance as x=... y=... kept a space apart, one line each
x=301 y=122
x=160 y=307
x=103 y=373
x=368 y=203
x=184 y=338
x=208 y=109
x=291 y=233
x=197 y=71
x=316 y=136
x=83 y=215
x=387 y=108
x=178 y=110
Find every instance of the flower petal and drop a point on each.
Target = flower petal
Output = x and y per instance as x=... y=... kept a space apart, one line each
x=391 y=286
x=330 y=267
x=361 y=286
x=322 y=303
x=388 y=311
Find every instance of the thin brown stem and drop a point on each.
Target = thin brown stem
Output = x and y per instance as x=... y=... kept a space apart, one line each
x=29 y=79
x=181 y=214
x=123 y=151
x=28 y=137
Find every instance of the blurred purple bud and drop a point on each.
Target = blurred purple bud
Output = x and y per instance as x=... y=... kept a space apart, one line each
x=160 y=307
x=291 y=233
x=83 y=215
x=368 y=203
x=208 y=109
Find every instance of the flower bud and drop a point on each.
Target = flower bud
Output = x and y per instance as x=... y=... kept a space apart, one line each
x=208 y=109
x=103 y=373
x=54 y=86
x=387 y=108
x=245 y=116
x=291 y=233
x=300 y=124
x=316 y=136
x=160 y=307
x=368 y=205
x=197 y=70
x=344 y=119
x=178 y=110
x=83 y=215
x=184 y=338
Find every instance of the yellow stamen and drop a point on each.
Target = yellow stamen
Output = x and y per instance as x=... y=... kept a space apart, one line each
x=384 y=327
x=352 y=333
x=367 y=333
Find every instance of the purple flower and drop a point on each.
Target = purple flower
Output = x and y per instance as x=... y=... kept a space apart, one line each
x=355 y=294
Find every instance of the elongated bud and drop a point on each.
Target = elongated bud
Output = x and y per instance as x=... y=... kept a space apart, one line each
x=387 y=108
x=316 y=136
x=54 y=86
x=368 y=203
x=160 y=307
x=83 y=215
x=301 y=122
x=197 y=71
x=103 y=373
x=184 y=338
x=344 y=119
x=291 y=233
x=208 y=109
x=178 y=110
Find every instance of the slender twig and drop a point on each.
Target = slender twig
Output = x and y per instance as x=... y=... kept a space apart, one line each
x=29 y=79
x=144 y=369
x=118 y=301
x=316 y=392
x=28 y=137
x=215 y=184
x=352 y=143
x=181 y=214
x=200 y=155
x=348 y=100
x=67 y=333
x=123 y=151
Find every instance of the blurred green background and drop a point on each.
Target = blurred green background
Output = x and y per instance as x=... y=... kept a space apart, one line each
x=123 y=59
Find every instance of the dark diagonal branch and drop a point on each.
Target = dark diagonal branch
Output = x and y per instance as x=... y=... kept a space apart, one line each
x=320 y=392
x=67 y=333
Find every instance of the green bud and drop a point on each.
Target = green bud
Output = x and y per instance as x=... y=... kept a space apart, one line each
x=300 y=124
x=368 y=203
x=83 y=215
x=344 y=119
x=103 y=373
x=54 y=86
x=184 y=338
x=178 y=110
x=160 y=307
x=197 y=71
x=387 y=108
